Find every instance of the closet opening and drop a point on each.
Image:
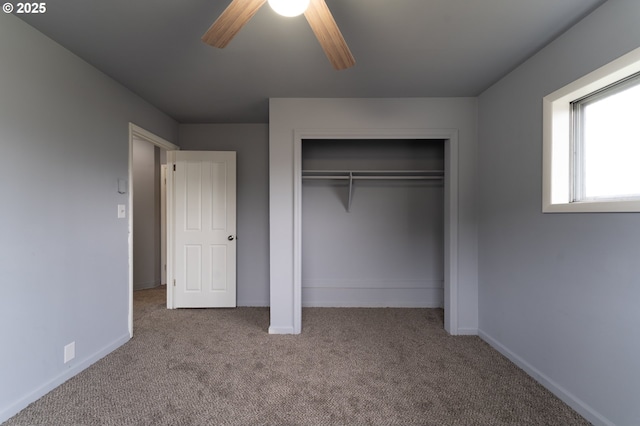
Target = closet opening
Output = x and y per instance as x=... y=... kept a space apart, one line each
x=449 y=138
x=372 y=223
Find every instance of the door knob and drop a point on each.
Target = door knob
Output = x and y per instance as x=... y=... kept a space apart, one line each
x=230 y=237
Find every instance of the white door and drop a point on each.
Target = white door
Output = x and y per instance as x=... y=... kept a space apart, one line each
x=201 y=195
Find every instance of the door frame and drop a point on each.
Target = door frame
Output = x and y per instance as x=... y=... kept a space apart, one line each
x=450 y=137
x=138 y=133
x=163 y=224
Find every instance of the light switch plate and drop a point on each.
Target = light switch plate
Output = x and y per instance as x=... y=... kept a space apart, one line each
x=69 y=352
x=122 y=212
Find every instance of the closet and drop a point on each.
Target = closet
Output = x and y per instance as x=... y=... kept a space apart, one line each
x=372 y=222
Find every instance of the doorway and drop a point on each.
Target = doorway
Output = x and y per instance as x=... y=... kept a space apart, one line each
x=147 y=189
x=152 y=148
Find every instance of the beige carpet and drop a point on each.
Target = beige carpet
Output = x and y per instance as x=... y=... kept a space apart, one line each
x=348 y=367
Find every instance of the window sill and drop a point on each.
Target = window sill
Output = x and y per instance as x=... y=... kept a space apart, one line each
x=604 y=206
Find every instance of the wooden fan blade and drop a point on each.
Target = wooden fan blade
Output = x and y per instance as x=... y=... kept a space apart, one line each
x=328 y=34
x=231 y=21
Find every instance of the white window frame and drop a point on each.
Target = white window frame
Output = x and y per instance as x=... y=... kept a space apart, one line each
x=556 y=150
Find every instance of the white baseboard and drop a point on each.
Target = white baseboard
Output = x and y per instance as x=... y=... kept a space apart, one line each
x=355 y=294
x=281 y=330
x=20 y=404
x=253 y=304
x=567 y=397
x=467 y=331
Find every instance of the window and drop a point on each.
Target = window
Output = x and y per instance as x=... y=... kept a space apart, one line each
x=606 y=143
x=591 y=144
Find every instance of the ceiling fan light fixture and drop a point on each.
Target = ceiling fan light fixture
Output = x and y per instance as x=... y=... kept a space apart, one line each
x=289 y=8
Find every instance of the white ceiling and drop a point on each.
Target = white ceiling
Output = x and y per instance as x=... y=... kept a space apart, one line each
x=403 y=48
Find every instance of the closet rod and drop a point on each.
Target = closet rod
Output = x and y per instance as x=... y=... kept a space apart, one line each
x=421 y=171
x=380 y=177
x=352 y=175
x=374 y=174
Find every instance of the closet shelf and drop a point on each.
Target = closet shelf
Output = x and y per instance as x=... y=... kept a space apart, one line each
x=373 y=174
x=352 y=175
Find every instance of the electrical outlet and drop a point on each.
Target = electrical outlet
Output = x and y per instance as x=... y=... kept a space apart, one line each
x=69 y=352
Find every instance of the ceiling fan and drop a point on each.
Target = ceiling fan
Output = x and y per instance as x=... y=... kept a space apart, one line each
x=239 y=12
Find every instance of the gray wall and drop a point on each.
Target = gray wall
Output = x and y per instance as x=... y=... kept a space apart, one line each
x=388 y=249
x=251 y=142
x=558 y=293
x=146 y=215
x=63 y=256
x=341 y=117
